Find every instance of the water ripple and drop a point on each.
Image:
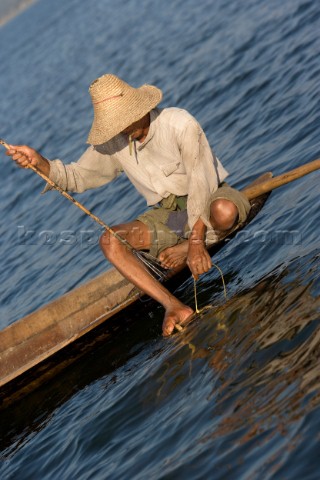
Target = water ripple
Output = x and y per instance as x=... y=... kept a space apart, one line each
x=237 y=394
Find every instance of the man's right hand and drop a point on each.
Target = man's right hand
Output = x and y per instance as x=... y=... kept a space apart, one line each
x=199 y=260
x=24 y=156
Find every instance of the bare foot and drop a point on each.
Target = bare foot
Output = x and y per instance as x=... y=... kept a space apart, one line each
x=175 y=256
x=175 y=315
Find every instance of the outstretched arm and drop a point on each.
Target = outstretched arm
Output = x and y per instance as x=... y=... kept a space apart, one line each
x=24 y=155
x=92 y=170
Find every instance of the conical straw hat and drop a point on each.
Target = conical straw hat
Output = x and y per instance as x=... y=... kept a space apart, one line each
x=117 y=105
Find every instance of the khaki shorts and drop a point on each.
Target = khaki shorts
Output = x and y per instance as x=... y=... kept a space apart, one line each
x=168 y=222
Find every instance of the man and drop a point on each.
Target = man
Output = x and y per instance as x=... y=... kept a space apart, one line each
x=166 y=155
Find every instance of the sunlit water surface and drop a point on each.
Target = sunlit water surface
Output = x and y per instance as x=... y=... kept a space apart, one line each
x=237 y=394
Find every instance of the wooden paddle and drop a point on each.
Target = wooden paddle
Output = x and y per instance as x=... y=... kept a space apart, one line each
x=256 y=190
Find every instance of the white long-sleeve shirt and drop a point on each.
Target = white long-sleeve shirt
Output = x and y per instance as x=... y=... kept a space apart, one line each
x=174 y=158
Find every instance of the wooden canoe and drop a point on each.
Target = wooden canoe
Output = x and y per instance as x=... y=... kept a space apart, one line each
x=39 y=335
x=32 y=340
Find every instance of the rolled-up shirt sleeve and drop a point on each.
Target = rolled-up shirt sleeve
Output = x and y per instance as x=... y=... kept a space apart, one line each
x=204 y=172
x=92 y=170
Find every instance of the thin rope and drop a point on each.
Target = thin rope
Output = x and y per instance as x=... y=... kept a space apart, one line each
x=195 y=295
x=180 y=328
x=109 y=98
x=195 y=290
x=223 y=282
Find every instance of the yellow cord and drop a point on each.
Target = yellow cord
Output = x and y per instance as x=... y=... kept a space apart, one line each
x=223 y=282
x=207 y=307
x=195 y=295
x=195 y=290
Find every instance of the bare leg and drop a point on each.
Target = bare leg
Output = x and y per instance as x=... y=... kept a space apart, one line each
x=129 y=266
x=223 y=215
x=176 y=256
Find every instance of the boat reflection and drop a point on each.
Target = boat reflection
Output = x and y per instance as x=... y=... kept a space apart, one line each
x=253 y=363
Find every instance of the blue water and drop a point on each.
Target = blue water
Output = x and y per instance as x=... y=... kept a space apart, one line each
x=237 y=396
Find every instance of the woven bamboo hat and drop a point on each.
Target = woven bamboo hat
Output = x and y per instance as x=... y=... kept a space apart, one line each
x=117 y=105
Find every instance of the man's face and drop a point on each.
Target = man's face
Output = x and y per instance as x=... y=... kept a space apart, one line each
x=137 y=130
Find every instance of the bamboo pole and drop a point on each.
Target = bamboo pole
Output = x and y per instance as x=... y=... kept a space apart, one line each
x=147 y=259
x=72 y=199
x=251 y=192
x=256 y=190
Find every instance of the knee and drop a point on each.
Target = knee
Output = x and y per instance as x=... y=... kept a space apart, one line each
x=104 y=242
x=223 y=214
x=108 y=244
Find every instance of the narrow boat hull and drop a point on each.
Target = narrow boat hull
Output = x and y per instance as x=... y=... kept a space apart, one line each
x=38 y=336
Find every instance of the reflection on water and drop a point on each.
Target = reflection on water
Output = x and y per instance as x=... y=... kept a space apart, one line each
x=97 y=355
x=249 y=369
x=235 y=396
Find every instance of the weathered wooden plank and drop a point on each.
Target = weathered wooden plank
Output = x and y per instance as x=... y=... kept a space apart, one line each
x=39 y=335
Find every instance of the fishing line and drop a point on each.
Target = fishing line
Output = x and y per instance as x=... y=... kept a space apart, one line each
x=152 y=263
x=195 y=295
x=195 y=290
x=179 y=327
